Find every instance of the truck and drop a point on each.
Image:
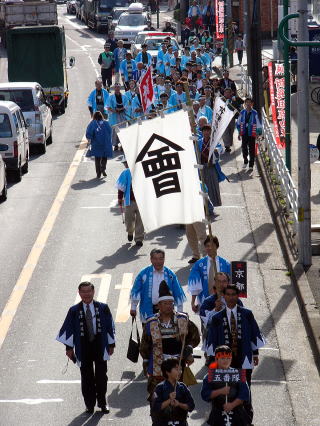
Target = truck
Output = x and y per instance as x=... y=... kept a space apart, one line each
x=22 y=13
x=38 y=53
x=97 y=13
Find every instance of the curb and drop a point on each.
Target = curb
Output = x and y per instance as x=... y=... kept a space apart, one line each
x=307 y=304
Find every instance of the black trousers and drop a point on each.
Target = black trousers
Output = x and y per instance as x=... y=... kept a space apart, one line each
x=94 y=382
x=248 y=147
x=240 y=56
x=106 y=75
x=101 y=164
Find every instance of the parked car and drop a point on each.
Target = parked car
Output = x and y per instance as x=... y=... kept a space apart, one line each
x=115 y=15
x=3 y=178
x=131 y=23
x=35 y=108
x=154 y=45
x=71 y=7
x=141 y=37
x=14 y=133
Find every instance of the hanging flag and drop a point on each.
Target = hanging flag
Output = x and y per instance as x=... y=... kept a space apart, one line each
x=161 y=159
x=222 y=115
x=219 y=6
x=277 y=101
x=146 y=90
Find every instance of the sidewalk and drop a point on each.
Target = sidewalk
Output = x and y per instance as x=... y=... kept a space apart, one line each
x=307 y=284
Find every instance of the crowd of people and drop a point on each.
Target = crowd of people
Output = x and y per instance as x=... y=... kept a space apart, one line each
x=230 y=335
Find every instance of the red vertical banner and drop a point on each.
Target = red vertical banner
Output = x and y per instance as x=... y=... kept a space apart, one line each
x=277 y=100
x=219 y=10
x=146 y=90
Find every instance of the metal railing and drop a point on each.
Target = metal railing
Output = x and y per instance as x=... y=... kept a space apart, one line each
x=277 y=167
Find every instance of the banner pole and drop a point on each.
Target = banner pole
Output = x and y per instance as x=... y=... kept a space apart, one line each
x=193 y=126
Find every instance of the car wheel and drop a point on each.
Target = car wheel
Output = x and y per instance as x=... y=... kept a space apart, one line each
x=25 y=167
x=17 y=174
x=49 y=140
x=3 y=195
x=43 y=147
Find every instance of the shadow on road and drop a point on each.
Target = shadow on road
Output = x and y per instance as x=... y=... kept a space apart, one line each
x=86 y=419
x=87 y=184
x=124 y=254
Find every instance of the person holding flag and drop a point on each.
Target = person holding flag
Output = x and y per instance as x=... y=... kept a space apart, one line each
x=126 y=196
x=171 y=400
x=226 y=398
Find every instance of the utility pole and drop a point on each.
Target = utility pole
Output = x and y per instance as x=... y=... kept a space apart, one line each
x=255 y=56
x=229 y=31
x=304 y=173
x=247 y=32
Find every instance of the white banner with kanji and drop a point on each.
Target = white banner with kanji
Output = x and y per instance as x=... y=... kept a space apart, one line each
x=162 y=160
x=222 y=115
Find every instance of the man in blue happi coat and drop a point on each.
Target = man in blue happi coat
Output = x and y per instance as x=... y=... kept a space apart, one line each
x=89 y=336
x=201 y=278
x=145 y=290
x=98 y=99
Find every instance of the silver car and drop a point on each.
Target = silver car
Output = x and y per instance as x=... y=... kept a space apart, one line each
x=3 y=179
x=131 y=23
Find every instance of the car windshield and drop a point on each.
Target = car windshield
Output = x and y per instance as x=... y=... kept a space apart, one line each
x=22 y=97
x=116 y=14
x=110 y=4
x=155 y=43
x=5 y=126
x=132 y=20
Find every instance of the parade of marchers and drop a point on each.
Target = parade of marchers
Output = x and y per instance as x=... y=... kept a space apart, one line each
x=173 y=132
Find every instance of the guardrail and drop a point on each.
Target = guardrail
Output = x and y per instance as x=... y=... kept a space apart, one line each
x=274 y=161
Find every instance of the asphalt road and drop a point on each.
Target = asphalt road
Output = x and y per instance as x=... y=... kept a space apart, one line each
x=63 y=224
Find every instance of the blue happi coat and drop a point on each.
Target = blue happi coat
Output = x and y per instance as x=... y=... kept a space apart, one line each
x=124 y=70
x=99 y=134
x=114 y=117
x=139 y=58
x=251 y=337
x=92 y=100
x=124 y=184
x=162 y=59
x=198 y=278
x=119 y=52
x=142 y=290
x=72 y=330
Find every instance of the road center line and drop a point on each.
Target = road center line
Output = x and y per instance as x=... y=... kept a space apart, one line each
x=23 y=281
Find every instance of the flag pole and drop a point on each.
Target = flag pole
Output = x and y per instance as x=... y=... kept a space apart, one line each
x=198 y=156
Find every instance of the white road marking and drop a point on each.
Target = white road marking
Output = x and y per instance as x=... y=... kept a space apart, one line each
x=103 y=288
x=30 y=401
x=82 y=47
x=123 y=310
x=99 y=40
x=266 y=348
x=31 y=263
x=94 y=207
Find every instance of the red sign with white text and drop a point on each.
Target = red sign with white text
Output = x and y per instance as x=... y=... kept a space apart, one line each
x=277 y=100
x=146 y=90
x=219 y=6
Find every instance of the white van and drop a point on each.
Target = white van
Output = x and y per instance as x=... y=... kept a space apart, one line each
x=131 y=23
x=14 y=133
x=36 y=111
